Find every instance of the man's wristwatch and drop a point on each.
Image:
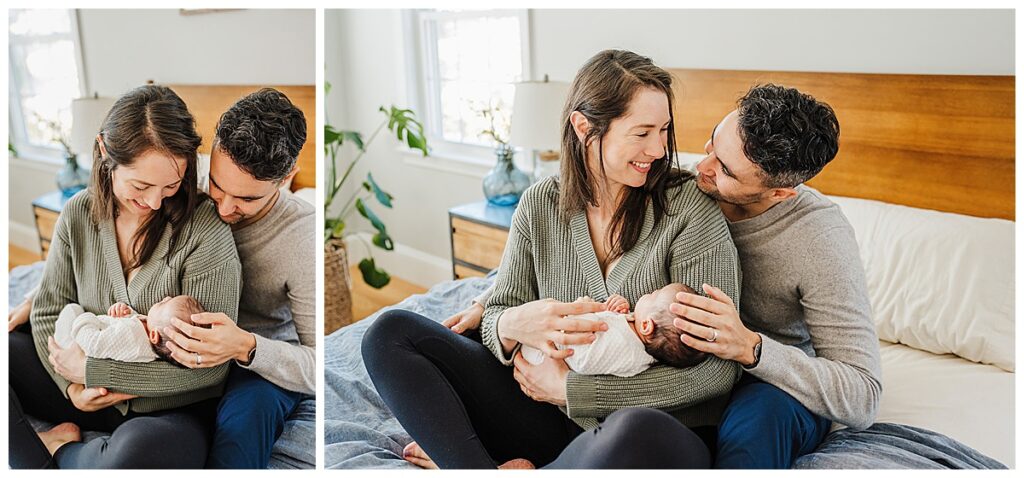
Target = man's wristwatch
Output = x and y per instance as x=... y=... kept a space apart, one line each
x=757 y=355
x=252 y=355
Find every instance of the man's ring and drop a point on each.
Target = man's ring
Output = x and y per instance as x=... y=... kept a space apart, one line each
x=199 y=358
x=714 y=335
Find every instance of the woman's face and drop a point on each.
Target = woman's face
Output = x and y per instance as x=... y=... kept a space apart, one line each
x=634 y=141
x=141 y=188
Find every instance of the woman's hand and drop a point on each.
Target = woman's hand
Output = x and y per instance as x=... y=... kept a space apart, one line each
x=95 y=398
x=542 y=324
x=198 y=347
x=465 y=320
x=545 y=382
x=712 y=324
x=68 y=363
x=19 y=315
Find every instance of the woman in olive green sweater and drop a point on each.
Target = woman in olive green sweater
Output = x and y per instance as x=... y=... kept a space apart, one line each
x=620 y=219
x=141 y=232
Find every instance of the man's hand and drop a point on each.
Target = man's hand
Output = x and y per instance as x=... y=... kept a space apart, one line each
x=712 y=324
x=96 y=398
x=19 y=315
x=198 y=347
x=545 y=382
x=68 y=363
x=468 y=319
x=119 y=309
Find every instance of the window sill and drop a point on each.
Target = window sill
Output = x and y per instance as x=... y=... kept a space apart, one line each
x=37 y=162
x=470 y=166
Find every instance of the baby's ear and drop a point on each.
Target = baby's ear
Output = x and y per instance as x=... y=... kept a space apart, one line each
x=646 y=326
x=154 y=337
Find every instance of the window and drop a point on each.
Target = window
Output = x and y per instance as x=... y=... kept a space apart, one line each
x=44 y=64
x=469 y=62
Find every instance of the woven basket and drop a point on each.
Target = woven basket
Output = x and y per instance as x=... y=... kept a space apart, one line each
x=337 y=286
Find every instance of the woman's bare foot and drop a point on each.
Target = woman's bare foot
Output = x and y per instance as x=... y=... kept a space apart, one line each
x=415 y=455
x=57 y=436
x=517 y=464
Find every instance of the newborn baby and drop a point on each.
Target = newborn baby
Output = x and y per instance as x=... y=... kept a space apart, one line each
x=633 y=341
x=122 y=334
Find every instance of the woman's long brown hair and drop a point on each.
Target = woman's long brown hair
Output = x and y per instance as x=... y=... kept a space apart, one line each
x=602 y=91
x=148 y=118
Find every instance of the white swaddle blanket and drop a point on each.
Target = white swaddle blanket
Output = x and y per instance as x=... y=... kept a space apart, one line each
x=102 y=336
x=617 y=351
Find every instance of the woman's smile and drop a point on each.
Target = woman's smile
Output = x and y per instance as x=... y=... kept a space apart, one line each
x=640 y=166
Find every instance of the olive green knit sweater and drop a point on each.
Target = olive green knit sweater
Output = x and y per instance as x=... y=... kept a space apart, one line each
x=548 y=257
x=83 y=267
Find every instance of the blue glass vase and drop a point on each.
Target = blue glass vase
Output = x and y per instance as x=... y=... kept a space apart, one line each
x=505 y=183
x=71 y=178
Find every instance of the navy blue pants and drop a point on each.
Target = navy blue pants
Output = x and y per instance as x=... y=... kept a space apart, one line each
x=250 y=418
x=467 y=411
x=765 y=428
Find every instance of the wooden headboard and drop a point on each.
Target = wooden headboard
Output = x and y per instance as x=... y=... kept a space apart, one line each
x=208 y=102
x=927 y=141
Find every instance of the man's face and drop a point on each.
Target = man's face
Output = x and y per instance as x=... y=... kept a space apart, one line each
x=238 y=195
x=726 y=173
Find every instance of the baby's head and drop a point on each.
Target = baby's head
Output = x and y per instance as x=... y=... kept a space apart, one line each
x=653 y=323
x=160 y=314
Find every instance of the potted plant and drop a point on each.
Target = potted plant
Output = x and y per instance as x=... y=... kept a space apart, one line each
x=403 y=124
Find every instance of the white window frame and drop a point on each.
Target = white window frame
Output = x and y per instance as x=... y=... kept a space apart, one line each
x=16 y=129
x=424 y=94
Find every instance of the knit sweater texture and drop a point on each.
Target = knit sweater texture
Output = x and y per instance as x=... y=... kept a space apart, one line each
x=548 y=256
x=83 y=267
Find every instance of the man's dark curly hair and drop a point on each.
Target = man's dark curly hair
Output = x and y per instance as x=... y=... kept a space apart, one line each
x=262 y=133
x=788 y=134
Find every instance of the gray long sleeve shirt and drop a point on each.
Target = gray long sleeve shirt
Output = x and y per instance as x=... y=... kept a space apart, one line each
x=278 y=304
x=805 y=292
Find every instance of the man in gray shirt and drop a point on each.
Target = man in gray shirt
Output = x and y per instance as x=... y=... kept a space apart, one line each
x=803 y=332
x=252 y=161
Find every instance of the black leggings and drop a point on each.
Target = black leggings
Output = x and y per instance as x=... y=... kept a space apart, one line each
x=177 y=438
x=467 y=411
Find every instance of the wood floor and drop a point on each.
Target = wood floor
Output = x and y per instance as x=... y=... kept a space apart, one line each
x=366 y=300
x=17 y=256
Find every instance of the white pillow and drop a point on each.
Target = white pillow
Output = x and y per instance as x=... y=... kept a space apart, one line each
x=938 y=281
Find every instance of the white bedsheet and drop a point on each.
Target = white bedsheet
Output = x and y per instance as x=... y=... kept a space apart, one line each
x=970 y=402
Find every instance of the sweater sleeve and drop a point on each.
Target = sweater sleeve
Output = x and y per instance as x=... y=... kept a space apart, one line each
x=212 y=275
x=290 y=366
x=661 y=386
x=843 y=382
x=56 y=290
x=515 y=284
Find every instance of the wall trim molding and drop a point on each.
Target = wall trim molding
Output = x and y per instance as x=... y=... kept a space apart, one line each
x=412 y=265
x=23 y=236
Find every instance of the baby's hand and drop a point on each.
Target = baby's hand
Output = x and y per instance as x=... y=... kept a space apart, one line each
x=617 y=303
x=119 y=309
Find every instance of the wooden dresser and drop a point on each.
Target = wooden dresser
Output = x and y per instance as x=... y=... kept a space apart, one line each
x=46 y=208
x=478 y=235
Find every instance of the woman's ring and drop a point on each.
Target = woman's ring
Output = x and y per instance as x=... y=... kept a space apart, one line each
x=199 y=358
x=714 y=335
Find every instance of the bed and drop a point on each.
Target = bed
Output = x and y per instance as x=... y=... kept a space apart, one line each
x=296 y=448
x=926 y=175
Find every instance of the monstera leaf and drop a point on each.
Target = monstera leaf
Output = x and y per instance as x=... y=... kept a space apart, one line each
x=373 y=275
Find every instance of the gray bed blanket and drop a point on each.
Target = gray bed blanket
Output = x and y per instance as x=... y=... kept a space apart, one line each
x=893 y=446
x=296 y=448
x=362 y=433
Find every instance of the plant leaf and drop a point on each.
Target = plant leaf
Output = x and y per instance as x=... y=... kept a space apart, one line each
x=382 y=197
x=373 y=276
x=403 y=123
x=381 y=238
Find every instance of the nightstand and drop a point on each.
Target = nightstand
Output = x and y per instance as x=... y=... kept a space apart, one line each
x=46 y=209
x=478 y=235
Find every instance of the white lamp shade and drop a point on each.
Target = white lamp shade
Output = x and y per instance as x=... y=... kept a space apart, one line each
x=537 y=114
x=87 y=117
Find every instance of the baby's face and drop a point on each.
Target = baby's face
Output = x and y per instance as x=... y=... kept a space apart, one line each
x=161 y=313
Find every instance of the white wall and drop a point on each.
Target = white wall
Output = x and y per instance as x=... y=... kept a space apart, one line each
x=368 y=61
x=123 y=49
